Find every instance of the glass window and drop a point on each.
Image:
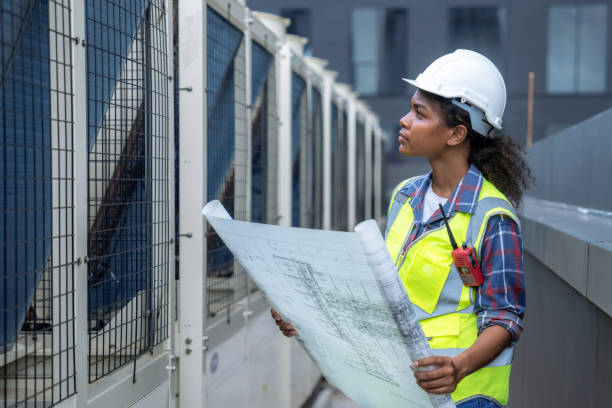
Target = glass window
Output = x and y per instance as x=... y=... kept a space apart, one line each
x=378 y=43
x=577 y=44
x=481 y=29
x=300 y=25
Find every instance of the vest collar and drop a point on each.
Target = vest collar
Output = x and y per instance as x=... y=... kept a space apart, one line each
x=464 y=198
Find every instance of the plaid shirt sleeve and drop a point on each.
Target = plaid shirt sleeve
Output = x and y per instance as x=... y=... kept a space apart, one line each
x=500 y=300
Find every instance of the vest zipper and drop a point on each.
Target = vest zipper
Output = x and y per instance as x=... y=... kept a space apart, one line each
x=401 y=251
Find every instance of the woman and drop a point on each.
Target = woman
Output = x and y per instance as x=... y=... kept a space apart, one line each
x=476 y=176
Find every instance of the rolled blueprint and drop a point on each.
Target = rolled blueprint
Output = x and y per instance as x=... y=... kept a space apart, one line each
x=394 y=293
x=340 y=291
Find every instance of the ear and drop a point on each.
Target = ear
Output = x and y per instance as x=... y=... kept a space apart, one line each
x=458 y=136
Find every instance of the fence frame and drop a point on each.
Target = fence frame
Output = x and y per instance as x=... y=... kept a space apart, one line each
x=130 y=383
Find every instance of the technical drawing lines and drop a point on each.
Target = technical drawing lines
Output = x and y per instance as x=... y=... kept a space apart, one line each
x=341 y=314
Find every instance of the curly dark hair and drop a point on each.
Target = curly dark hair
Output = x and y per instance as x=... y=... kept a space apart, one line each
x=500 y=158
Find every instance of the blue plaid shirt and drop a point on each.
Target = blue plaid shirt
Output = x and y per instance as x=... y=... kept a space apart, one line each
x=500 y=300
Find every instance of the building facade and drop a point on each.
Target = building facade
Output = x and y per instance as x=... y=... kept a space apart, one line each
x=375 y=43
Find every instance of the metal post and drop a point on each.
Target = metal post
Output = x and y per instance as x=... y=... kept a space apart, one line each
x=171 y=185
x=530 y=110
x=248 y=55
x=80 y=221
x=368 y=165
x=192 y=153
x=307 y=170
x=328 y=80
x=352 y=159
x=283 y=87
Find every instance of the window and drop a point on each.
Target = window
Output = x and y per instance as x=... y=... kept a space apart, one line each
x=577 y=43
x=379 y=49
x=300 y=25
x=480 y=29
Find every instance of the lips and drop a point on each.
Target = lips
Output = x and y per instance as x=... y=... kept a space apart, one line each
x=401 y=138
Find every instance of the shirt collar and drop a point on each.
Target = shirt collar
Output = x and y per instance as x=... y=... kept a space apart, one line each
x=463 y=198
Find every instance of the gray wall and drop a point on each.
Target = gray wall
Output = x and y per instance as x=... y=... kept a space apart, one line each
x=575 y=165
x=564 y=357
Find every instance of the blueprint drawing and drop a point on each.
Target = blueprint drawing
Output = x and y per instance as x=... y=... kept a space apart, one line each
x=341 y=292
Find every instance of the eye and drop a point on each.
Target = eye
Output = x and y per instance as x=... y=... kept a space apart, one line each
x=419 y=114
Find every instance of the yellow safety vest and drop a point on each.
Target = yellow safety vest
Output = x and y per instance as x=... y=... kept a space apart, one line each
x=445 y=306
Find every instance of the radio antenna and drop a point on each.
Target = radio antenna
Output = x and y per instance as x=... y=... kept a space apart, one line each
x=450 y=234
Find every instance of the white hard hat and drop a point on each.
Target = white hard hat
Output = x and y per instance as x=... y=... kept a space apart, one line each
x=471 y=78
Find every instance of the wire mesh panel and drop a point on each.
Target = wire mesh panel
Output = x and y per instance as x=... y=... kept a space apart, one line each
x=36 y=205
x=341 y=174
x=333 y=152
x=298 y=102
x=360 y=171
x=226 y=153
x=272 y=150
x=128 y=138
x=260 y=160
x=317 y=159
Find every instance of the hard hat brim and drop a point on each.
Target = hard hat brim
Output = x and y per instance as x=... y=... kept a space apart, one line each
x=424 y=87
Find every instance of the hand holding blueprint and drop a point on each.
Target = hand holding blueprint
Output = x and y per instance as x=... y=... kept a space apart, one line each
x=342 y=293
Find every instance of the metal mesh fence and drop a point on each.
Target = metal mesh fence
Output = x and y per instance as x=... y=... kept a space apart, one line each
x=317 y=159
x=260 y=126
x=360 y=171
x=334 y=135
x=36 y=204
x=128 y=140
x=340 y=181
x=226 y=153
x=272 y=151
x=298 y=103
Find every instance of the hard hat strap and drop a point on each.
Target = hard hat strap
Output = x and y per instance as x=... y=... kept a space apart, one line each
x=477 y=118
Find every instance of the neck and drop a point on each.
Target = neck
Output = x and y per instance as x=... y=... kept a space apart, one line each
x=447 y=173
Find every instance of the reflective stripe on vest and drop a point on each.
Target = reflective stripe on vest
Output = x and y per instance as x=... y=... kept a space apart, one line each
x=444 y=306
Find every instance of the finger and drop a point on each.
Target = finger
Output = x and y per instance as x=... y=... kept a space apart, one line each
x=289 y=333
x=275 y=315
x=432 y=375
x=443 y=390
x=431 y=360
x=285 y=326
x=440 y=382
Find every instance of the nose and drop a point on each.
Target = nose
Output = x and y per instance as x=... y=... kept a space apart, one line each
x=406 y=121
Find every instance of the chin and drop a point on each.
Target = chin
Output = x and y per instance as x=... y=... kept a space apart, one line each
x=404 y=151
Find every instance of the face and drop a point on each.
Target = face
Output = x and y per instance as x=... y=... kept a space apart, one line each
x=423 y=131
